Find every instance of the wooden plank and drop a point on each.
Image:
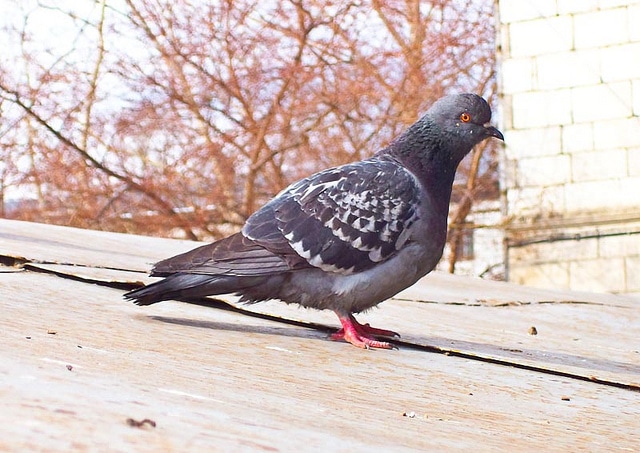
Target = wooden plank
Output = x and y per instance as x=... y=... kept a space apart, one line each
x=65 y=245
x=588 y=341
x=560 y=345
x=77 y=362
x=461 y=307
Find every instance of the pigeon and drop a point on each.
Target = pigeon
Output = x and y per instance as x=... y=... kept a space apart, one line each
x=345 y=238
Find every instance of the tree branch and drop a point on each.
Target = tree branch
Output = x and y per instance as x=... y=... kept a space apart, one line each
x=162 y=204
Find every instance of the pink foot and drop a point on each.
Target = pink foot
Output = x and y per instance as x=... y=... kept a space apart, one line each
x=366 y=328
x=361 y=335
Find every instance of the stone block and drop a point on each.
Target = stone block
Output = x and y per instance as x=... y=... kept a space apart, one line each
x=505 y=115
x=599 y=165
x=635 y=92
x=567 y=69
x=540 y=36
x=601 y=28
x=517 y=75
x=604 y=4
x=633 y=161
x=632 y=268
x=630 y=192
x=517 y=10
x=531 y=201
x=535 y=142
x=539 y=109
x=554 y=252
x=577 y=137
x=601 y=102
x=621 y=62
x=633 y=17
x=619 y=246
x=550 y=276
x=594 y=195
x=576 y=6
x=598 y=275
x=544 y=171
x=620 y=133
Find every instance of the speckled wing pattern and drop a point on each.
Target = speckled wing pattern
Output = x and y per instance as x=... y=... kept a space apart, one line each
x=344 y=220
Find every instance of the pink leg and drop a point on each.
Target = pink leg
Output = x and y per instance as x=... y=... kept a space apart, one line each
x=361 y=335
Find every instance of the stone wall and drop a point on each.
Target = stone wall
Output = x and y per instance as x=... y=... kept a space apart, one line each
x=570 y=83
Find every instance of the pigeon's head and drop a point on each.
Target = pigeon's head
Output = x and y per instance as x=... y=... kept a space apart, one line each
x=464 y=119
x=446 y=133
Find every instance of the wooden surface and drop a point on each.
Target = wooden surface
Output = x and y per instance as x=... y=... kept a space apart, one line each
x=78 y=362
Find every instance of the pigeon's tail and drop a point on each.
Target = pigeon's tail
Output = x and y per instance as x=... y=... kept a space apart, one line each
x=185 y=287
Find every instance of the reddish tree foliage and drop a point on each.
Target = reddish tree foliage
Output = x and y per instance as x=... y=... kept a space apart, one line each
x=181 y=118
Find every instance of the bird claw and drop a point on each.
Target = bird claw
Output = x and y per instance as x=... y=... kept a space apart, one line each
x=361 y=335
x=359 y=340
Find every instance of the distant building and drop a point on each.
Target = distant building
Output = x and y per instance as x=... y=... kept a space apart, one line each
x=570 y=85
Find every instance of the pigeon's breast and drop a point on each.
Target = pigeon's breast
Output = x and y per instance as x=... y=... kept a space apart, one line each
x=359 y=291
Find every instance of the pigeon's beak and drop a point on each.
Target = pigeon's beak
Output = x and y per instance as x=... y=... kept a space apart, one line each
x=493 y=132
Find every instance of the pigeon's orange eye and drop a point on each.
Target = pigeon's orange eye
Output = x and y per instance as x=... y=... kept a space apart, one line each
x=465 y=118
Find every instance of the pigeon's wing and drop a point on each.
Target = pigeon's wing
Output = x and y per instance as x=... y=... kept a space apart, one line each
x=345 y=219
x=234 y=256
